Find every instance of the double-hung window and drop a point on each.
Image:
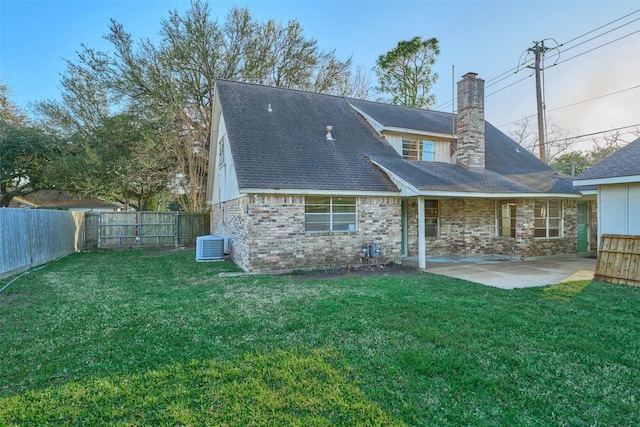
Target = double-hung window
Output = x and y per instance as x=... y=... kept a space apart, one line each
x=431 y=218
x=416 y=149
x=547 y=218
x=330 y=214
x=506 y=218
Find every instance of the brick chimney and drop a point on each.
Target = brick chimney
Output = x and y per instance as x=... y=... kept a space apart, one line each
x=470 y=147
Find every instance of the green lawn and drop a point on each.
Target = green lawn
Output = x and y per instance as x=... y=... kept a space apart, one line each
x=150 y=337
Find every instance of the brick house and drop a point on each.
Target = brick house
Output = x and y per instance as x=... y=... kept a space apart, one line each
x=303 y=180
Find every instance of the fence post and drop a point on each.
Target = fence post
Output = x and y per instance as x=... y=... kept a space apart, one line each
x=138 y=228
x=176 y=229
x=99 y=231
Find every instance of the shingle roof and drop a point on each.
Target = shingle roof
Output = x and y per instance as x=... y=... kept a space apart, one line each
x=397 y=116
x=624 y=162
x=287 y=148
x=519 y=170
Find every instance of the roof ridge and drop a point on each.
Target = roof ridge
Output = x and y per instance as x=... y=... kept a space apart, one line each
x=399 y=106
x=282 y=88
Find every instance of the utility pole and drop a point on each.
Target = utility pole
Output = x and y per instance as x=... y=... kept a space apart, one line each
x=538 y=50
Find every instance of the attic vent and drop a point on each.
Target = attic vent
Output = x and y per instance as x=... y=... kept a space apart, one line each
x=269 y=109
x=329 y=137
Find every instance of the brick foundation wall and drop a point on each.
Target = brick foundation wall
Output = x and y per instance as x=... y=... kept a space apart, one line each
x=270 y=234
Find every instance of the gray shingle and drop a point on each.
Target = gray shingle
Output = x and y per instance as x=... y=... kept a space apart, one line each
x=390 y=115
x=624 y=162
x=287 y=149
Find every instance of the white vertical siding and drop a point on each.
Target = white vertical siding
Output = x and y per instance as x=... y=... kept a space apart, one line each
x=443 y=150
x=225 y=181
x=633 y=215
x=618 y=209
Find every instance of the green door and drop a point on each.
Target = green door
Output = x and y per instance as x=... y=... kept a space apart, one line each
x=583 y=229
x=403 y=228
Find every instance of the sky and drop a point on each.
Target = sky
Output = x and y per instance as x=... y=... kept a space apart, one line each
x=593 y=86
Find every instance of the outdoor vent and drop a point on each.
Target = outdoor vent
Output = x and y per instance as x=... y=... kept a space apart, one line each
x=329 y=137
x=209 y=248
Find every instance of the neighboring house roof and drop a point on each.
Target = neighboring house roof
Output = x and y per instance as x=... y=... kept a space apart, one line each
x=286 y=148
x=620 y=167
x=54 y=199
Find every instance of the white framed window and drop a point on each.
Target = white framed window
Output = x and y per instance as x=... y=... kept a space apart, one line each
x=221 y=152
x=419 y=149
x=431 y=218
x=329 y=214
x=547 y=219
x=506 y=218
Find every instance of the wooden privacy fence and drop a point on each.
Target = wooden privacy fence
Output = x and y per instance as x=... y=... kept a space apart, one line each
x=126 y=229
x=619 y=259
x=30 y=237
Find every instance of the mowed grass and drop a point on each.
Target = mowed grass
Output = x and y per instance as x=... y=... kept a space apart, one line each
x=150 y=337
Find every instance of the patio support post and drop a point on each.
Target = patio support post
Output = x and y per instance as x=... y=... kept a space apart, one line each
x=422 y=252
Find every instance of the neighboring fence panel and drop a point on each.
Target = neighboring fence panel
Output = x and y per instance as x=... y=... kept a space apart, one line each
x=117 y=229
x=619 y=259
x=126 y=229
x=34 y=236
x=157 y=228
x=192 y=225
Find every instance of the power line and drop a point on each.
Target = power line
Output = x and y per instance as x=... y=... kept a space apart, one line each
x=596 y=133
x=597 y=47
x=602 y=26
x=573 y=104
x=521 y=65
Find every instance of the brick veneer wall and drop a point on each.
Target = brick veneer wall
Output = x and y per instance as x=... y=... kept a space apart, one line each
x=267 y=233
x=468 y=227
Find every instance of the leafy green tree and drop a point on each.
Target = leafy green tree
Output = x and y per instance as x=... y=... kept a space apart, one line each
x=573 y=163
x=406 y=72
x=25 y=151
x=170 y=83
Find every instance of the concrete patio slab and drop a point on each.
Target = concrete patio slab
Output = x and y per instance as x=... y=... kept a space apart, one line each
x=510 y=273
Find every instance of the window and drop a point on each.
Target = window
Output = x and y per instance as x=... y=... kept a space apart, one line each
x=221 y=152
x=506 y=218
x=414 y=149
x=323 y=214
x=547 y=221
x=431 y=218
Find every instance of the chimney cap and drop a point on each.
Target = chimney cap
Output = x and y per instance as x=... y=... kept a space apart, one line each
x=470 y=75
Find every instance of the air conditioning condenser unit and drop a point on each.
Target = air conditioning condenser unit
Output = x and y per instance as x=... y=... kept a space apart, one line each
x=209 y=248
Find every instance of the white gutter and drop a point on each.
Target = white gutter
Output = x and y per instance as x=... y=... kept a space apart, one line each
x=302 y=192
x=612 y=180
x=436 y=135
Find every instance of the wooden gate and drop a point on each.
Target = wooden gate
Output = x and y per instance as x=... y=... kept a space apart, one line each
x=126 y=229
x=619 y=259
